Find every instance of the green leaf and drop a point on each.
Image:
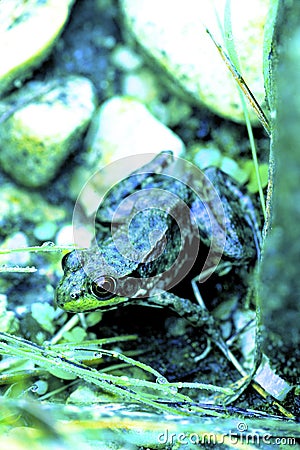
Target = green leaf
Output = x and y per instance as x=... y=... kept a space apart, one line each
x=44 y=314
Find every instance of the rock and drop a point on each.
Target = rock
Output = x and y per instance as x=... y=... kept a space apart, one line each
x=173 y=34
x=18 y=206
x=42 y=124
x=45 y=231
x=65 y=235
x=28 y=32
x=126 y=59
x=121 y=127
x=17 y=240
x=143 y=84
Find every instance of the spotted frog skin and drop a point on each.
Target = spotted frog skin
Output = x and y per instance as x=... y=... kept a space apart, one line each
x=103 y=278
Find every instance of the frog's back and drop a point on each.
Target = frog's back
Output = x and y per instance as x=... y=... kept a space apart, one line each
x=151 y=182
x=240 y=223
x=134 y=182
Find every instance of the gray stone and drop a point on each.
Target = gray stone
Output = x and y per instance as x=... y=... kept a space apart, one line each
x=42 y=125
x=28 y=32
x=174 y=35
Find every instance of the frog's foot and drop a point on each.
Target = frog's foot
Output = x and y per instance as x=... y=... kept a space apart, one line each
x=205 y=352
x=222 y=269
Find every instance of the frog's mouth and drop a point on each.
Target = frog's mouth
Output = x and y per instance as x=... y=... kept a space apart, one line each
x=89 y=303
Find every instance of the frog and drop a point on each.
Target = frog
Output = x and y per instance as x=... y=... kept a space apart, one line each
x=131 y=268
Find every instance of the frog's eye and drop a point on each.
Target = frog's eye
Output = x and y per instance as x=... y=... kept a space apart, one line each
x=104 y=288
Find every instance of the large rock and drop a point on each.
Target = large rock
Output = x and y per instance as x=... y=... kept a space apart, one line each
x=124 y=126
x=41 y=126
x=28 y=31
x=121 y=127
x=173 y=34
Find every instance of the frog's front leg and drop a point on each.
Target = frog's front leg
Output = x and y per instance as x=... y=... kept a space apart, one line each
x=196 y=315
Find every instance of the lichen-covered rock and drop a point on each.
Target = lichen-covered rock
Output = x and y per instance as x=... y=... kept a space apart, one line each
x=41 y=125
x=28 y=31
x=174 y=35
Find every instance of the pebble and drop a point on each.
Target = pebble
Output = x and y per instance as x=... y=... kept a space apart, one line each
x=28 y=32
x=42 y=124
x=16 y=240
x=173 y=34
x=208 y=156
x=144 y=85
x=125 y=59
x=141 y=85
x=65 y=236
x=45 y=231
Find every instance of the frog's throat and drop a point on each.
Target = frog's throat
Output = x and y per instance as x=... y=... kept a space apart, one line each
x=89 y=303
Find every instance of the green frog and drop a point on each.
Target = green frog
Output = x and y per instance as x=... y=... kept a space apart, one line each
x=152 y=229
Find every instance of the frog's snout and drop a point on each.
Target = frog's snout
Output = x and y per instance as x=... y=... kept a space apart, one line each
x=65 y=295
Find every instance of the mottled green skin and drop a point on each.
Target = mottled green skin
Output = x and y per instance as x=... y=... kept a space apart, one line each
x=75 y=291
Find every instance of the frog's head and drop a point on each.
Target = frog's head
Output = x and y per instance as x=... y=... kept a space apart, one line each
x=79 y=292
